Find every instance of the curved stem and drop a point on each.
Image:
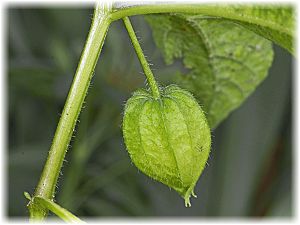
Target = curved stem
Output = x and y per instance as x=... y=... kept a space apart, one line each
x=150 y=78
x=152 y=8
x=216 y=10
x=71 y=111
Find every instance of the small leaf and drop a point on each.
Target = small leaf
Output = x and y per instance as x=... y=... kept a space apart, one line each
x=226 y=61
x=168 y=138
x=27 y=195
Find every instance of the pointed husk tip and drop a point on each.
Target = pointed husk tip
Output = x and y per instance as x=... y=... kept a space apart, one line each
x=187 y=196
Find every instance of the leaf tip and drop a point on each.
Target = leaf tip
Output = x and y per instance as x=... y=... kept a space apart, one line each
x=27 y=195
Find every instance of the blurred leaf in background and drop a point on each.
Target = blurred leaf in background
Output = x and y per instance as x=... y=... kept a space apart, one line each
x=250 y=166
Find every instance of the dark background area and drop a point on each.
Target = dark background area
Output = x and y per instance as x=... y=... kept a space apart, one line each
x=250 y=171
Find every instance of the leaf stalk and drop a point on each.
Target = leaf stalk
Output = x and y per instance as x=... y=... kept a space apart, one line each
x=148 y=73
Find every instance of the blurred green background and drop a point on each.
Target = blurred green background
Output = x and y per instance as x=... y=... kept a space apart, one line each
x=250 y=171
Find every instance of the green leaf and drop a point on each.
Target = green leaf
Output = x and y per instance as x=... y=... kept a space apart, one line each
x=226 y=62
x=275 y=23
x=27 y=195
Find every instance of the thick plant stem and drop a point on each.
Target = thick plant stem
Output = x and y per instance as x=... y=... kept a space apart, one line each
x=150 y=78
x=58 y=210
x=71 y=111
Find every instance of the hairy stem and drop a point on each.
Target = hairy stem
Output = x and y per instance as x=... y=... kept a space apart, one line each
x=58 y=210
x=71 y=111
x=132 y=9
x=150 y=78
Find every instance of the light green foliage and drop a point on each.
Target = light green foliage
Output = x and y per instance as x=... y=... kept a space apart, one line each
x=226 y=62
x=167 y=138
x=275 y=23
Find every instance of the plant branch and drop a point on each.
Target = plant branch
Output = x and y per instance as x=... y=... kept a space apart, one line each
x=132 y=9
x=150 y=78
x=58 y=210
x=71 y=111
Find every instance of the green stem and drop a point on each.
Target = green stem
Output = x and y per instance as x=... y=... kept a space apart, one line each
x=58 y=210
x=204 y=9
x=152 y=8
x=71 y=111
x=150 y=78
